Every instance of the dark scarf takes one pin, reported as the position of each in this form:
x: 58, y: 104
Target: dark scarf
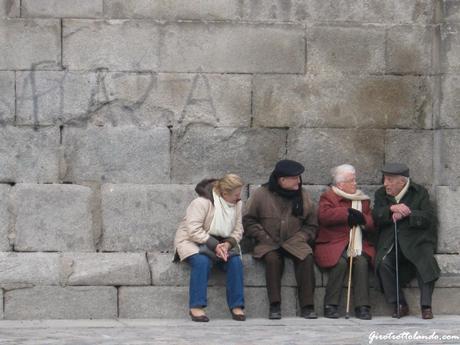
x: 294, y: 195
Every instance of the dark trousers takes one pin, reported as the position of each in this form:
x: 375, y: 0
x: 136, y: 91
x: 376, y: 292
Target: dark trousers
x: 304, y: 274
x: 360, y: 281
x: 387, y: 275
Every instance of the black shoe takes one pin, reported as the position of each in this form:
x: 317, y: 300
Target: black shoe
x: 363, y: 312
x: 201, y: 318
x: 275, y: 312
x: 308, y: 312
x: 331, y: 311
x: 403, y: 311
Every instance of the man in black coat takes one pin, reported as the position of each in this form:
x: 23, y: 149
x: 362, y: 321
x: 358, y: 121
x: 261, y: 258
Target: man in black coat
x: 407, y: 204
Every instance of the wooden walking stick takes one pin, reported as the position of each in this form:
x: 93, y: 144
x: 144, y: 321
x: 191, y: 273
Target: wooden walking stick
x: 351, y: 248
x: 398, y: 311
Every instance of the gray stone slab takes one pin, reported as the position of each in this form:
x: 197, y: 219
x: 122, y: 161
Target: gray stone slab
x: 173, y: 10
x: 334, y: 49
x: 7, y: 98
x: 93, y: 269
x: 140, y: 99
x: 451, y: 11
x: 203, y: 151
x: 117, y: 154
x: 142, y: 217
x: 236, y: 48
x: 448, y: 204
x: 117, y: 45
x: 52, y: 218
x: 29, y: 155
x: 51, y: 302
x: 449, y: 156
x: 396, y: 11
x: 30, y: 44
x: 19, y: 270
x: 450, y: 102
x: 9, y: 8
x: 343, y: 101
x: 322, y: 149
x: 408, y: 49
x: 450, y: 270
x: 450, y: 48
x: 62, y: 8
x: 5, y: 219
x: 1, y: 304
x: 414, y: 148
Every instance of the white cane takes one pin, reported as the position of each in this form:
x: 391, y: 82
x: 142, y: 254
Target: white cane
x: 351, y: 251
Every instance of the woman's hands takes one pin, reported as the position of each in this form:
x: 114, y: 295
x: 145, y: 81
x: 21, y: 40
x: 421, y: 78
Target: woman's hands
x: 222, y: 250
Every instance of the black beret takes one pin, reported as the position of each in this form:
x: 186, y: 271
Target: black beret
x: 288, y: 167
x: 395, y: 169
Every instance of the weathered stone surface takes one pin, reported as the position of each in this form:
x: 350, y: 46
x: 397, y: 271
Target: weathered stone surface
x: 450, y: 103
x: 52, y: 218
x: 450, y: 46
x: 322, y: 149
x: 140, y: 99
x: 116, y: 44
x: 30, y: 44
x: 238, y: 48
x: 449, y: 156
x: 347, y: 101
x: 9, y: 8
x: 172, y: 302
x: 1, y: 304
x: 119, y: 155
x: 205, y: 151
x: 51, y: 302
x: 142, y: 217
x: 4, y: 217
x: 62, y: 8
x: 172, y: 10
x: 7, y: 101
x: 408, y: 49
x: 450, y: 270
x: 29, y: 155
x: 414, y: 148
x: 451, y: 11
x: 396, y: 11
x: 29, y: 269
x: 107, y: 269
x: 333, y: 49
x: 448, y: 204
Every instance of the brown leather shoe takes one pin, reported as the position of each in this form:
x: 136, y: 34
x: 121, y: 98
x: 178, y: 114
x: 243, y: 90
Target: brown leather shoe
x: 238, y: 317
x: 403, y: 311
x: 427, y: 313
x: 198, y: 318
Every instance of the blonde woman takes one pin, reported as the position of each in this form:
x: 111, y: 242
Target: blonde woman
x: 209, y: 235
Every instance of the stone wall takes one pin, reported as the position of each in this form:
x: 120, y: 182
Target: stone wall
x: 111, y: 111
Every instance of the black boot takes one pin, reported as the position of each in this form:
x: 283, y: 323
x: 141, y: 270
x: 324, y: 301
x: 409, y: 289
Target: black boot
x: 331, y: 311
x: 363, y: 312
x: 275, y: 311
x: 308, y: 312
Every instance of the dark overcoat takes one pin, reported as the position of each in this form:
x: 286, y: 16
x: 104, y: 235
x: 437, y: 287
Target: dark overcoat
x: 417, y: 233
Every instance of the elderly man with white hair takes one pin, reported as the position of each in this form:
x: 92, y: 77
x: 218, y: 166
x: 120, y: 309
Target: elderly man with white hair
x: 342, y: 208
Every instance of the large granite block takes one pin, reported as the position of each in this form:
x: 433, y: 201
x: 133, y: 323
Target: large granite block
x: 396, y: 11
x: 30, y: 44
x: 414, y: 148
x: 333, y: 49
x: 233, y: 48
x: 322, y: 149
x: 9, y: 8
x: 142, y: 217
x: 448, y: 204
x: 51, y: 302
x: 7, y: 98
x: 52, y: 218
x: 93, y: 269
x: 343, y: 101
x: 450, y: 48
x: 19, y: 270
x: 450, y: 102
x: 451, y: 11
x: 62, y: 8
x: 172, y: 10
x: 5, y: 219
x: 29, y: 155
x: 119, y: 154
x: 449, y: 156
x: 409, y: 49
x: 450, y: 270
x: 118, y: 45
x: 200, y: 152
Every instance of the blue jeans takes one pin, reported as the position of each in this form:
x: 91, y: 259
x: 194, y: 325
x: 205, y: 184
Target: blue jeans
x: 201, y: 267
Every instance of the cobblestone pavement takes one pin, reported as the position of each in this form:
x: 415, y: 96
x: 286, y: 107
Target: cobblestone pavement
x: 381, y: 330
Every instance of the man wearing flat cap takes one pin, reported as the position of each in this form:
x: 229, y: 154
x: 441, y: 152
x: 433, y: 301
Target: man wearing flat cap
x: 406, y: 204
x: 281, y: 218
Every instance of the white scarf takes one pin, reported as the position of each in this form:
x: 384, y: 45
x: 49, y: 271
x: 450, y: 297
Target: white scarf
x: 356, y: 235
x: 224, y: 219
x: 402, y: 192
